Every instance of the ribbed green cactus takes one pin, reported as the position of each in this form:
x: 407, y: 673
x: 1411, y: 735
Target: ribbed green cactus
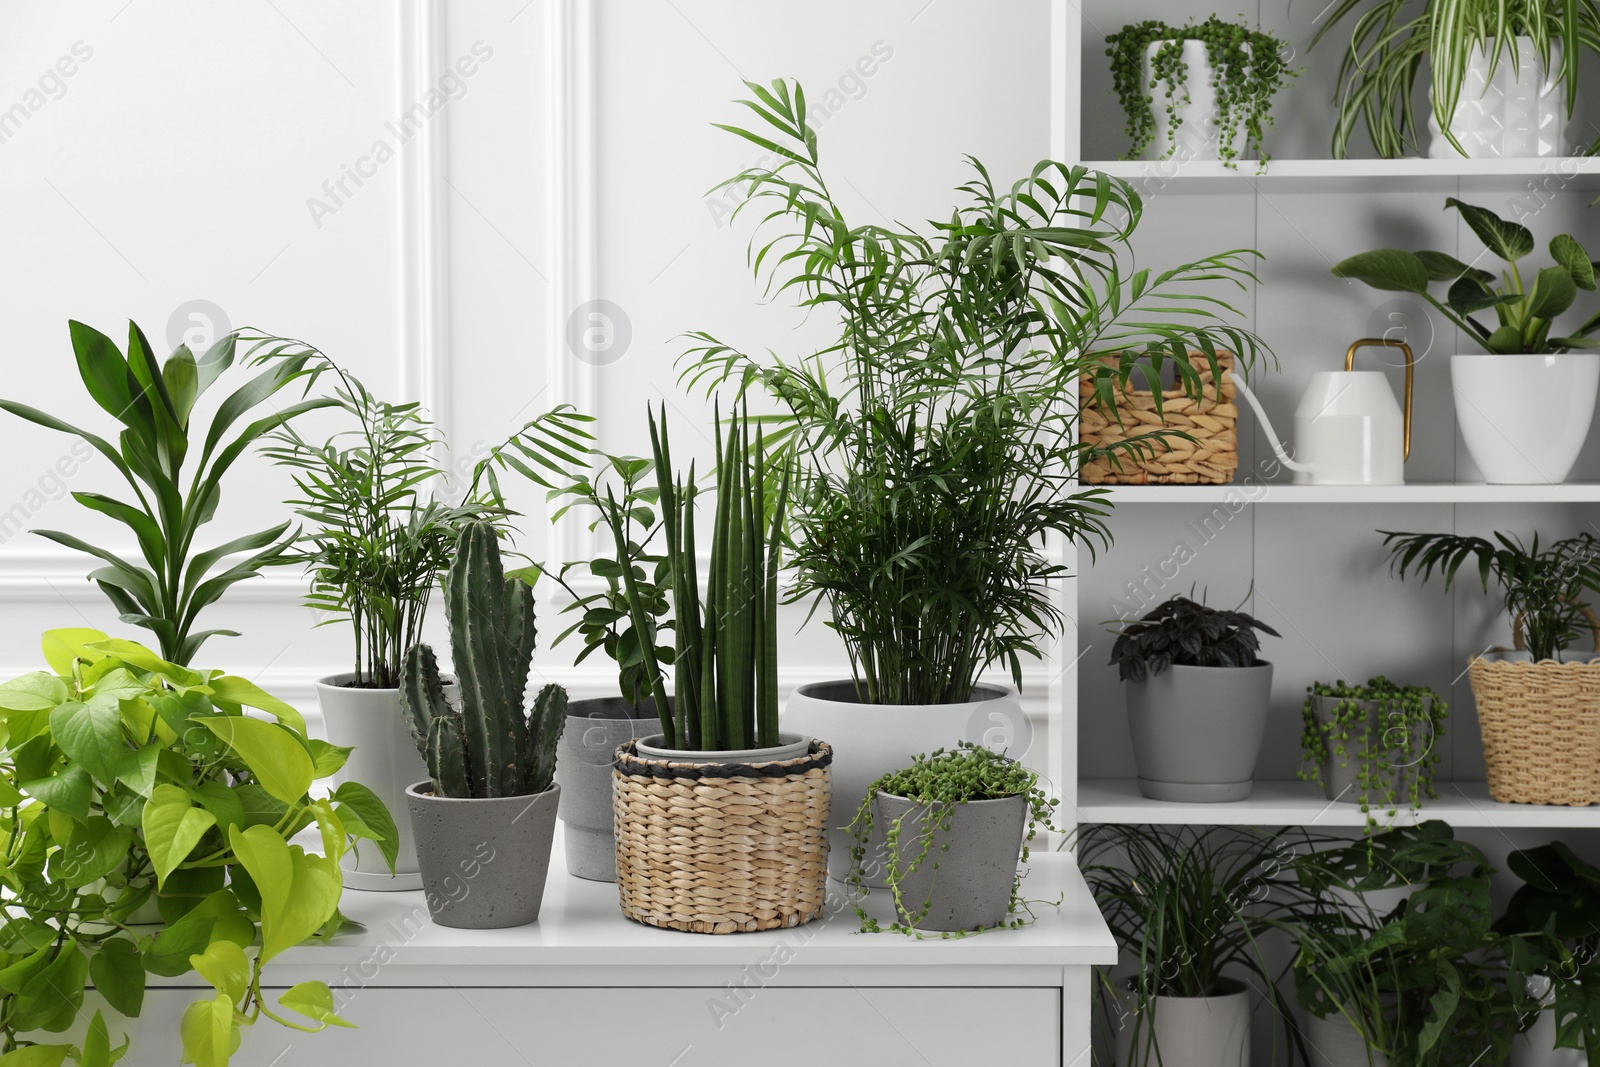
x: 490, y: 747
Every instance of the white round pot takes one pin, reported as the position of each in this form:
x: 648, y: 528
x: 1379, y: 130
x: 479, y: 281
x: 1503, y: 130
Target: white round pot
x: 789, y: 746
x: 1189, y: 1032
x: 583, y: 771
x: 1519, y: 112
x: 871, y: 740
x: 1198, y: 133
x: 1335, y: 1042
x: 386, y: 761
x: 1525, y: 418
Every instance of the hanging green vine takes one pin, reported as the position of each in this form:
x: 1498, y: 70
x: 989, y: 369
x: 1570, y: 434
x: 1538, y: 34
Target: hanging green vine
x: 938, y: 783
x: 1247, y: 71
x: 1394, y: 744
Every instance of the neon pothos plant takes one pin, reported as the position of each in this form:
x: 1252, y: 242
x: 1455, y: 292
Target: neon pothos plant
x: 173, y: 470
x: 1525, y: 308
x: 933, y: 435
x: 127, y: 780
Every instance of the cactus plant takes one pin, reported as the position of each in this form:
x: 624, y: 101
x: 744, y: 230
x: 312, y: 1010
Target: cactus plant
x: 489, y: 747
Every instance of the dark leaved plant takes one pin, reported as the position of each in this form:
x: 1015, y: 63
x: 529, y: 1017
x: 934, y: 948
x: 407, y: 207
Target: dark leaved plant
x: 1184, y: 632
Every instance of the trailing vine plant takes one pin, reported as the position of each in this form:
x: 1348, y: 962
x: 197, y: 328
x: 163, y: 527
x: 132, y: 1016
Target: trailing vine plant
x: 1394, y: 744
x: 938, y: 784
x: 1246, y: 69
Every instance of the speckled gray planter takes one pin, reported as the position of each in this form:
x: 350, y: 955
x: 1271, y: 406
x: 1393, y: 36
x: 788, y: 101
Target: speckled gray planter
x: 1196, y: 731
x: 483, y: 861
x: 583, y: 770
x: 972, y: 883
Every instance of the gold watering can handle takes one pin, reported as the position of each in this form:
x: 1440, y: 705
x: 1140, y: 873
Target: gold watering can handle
x: 1411, y: 362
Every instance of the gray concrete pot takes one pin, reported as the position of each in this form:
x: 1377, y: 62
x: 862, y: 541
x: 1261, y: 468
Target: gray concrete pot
x: 971, y: 884
x: 483, y: 862
x: 583, y: 771
x: 1197, y: 731
x: 1341, y: 776
x: 1188, y: 1031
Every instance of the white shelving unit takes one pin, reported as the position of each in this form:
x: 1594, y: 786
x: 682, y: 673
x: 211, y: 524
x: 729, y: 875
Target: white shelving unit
x: 1370, y: 175
x: 1417, y: 493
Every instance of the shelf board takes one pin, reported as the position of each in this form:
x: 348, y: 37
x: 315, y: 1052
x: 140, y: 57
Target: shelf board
x: 1400, y: 175
x: 1411, y: 493
x: 1117, y: 800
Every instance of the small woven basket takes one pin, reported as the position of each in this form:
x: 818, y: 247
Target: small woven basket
x: 1541, y: 726
x: 1210, y: 459
x: 721, y: 848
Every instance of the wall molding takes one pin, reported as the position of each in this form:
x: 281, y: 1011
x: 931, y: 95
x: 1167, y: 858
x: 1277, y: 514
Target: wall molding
x: 425, y: 219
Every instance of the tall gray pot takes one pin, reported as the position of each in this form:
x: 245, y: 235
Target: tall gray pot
x: 1341, y: 775
x: 483, y: 862
x: 583, y: 770
x: 1197, y: 731
x: 971, y: 882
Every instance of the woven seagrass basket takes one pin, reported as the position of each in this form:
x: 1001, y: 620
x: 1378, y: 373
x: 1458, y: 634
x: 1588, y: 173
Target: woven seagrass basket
x: 721, y: 848
x: 1210, y: 459
x: 1541, y: 726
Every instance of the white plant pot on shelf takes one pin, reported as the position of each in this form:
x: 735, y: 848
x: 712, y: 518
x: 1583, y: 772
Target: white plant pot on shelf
x: 1525, y: 418
x: 1518, y: 113
x: 1198, y: 133
x: 1335, y: 1042
x: 1189, y: 1032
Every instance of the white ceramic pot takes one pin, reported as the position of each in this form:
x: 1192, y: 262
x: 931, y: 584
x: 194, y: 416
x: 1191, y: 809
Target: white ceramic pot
x: 870, y: 740
x: 1520, y: 112
x: 1535, y: 1047
x: 1198, y: 135
x: 386, y: 761
x: 1525, y: 418
x: 1189, y: 1032
x: 789, y: 746
x: 1335, y: 1042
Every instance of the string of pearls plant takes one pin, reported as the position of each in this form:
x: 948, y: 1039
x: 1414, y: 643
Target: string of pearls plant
x: 1395, y: 745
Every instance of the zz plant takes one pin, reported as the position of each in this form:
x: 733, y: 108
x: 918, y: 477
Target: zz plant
x: 1395, y: 745
x: 173, y: 469
x: 125, y: 778
x: 1525, y: 308
x: 490, y: 746
x: 939, y: 784
x: 1185, y: 632
x: 1247, y: 73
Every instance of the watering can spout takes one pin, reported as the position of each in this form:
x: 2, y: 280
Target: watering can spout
x: 1266, y: 426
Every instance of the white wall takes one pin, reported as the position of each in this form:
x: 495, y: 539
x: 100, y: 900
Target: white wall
x: 181, y: 160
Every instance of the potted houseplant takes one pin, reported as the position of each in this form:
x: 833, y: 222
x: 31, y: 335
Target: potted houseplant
x: 1372, y: 744
x: 1429, y: 983
x: 956, y: 823
x: 1198, y: 696
x: 1557, y: 910
x: 717, y: 773
x: 1503, y: 77
x: 1525, y: 403
x: 924, y: 504
x: 1536, y: 712
x: 380, y: 538
x: 1213, y: 84
x: 1188, y: 907
x: 489, y: 804
x: 172, y: 469
x: 126, y: 779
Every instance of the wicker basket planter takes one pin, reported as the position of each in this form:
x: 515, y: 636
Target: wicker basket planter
x: 1210, y: 459
x: 721, y: 848
x: 1541, y: 727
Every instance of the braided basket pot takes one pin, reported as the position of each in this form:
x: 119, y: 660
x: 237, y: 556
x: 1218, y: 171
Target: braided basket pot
x: 1210, y: 459
x: 721, y: 848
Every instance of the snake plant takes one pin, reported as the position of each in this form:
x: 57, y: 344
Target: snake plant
x: 489, y: 747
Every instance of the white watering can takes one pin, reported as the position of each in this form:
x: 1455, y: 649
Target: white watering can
x: 1348, y: 427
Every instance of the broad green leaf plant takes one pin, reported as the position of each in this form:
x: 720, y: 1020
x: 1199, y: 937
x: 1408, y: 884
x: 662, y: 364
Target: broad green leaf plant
x: 1525, y: 307
x: 173, y: 468
x: 129, y: 784
x: 933, y: 436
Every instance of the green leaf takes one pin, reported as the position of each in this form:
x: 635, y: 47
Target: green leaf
x: 16, y: 975
x: 62, y: 647
x: 373, y: 816
x: 276, y: 757
x: 242, y: 691
x: 327, y: 759
x: 169, y: 952
x: 209, y: 1034
x: 138, y: 770
x: 94, y: 849
x: 117, y: 969
x: 221, y: 800
x: 299, y: 893
x: 39, y: 691
x: 1389, y: 269
x: 36, y: 1056
x: 172, y: 827
x: 1470, y: 294
x: 1553, y: 293
x: 1506, y: 341
x: 314, y: 1000
x: 97, y: 1050
x: 225, y: 966
x: 1566, y: 251
x: 1508, y: 240
x: 69, y: 791
x: 1444, y: 268
x: 91, y: 736
x: 51, y: 998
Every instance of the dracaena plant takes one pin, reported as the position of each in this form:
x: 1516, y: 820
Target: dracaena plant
x: 173, y: 468
x: 125, y: 778
x: 933, y: 434
x: 1525, y: 307
x: 1390, y: 39
x: 384, y: 515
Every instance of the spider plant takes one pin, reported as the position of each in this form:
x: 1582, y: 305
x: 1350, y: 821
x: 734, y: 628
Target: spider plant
x: 1390, y: 39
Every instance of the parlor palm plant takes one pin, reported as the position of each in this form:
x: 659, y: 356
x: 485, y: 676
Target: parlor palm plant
x: 933, y: 436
